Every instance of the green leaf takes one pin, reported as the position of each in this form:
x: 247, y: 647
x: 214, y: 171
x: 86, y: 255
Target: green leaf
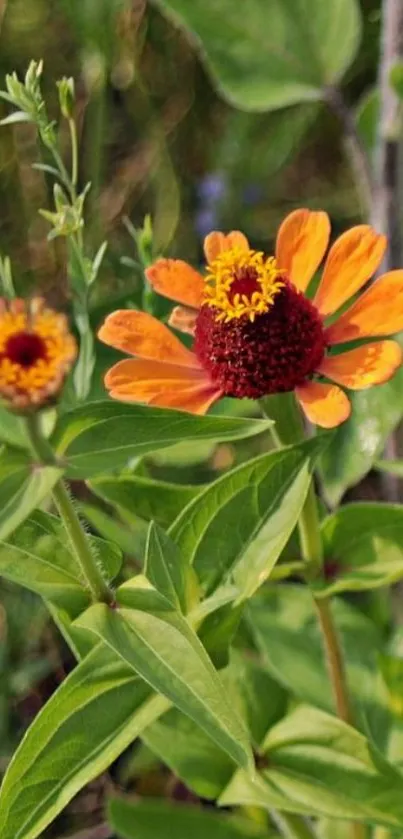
x: 367, y: 118
x: 158, y: 500
x: 218, y: 630
x: 104, y: 436
x: 165, y: 567
x: 325, y: 768
x: 164, y: 650
x: 132, y: 541
x: 274, y: 54
x: 11, y: 429
x: 285, y: 628
x: 396, y: 78
x: 363, y: 546
x: 392, y: 673
x: 356, y: 444
x: 23, y: 486
x: 334, y: 829
x: 242, y: 521
x: 149, y: 819
x: 191, y: 755
x: 38, y: 556
x: 93, y: 716
x: 17, y: 116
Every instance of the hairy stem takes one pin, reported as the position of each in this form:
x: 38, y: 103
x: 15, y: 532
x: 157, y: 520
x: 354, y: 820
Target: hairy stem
x: 94, y: 580
x: 74, y: 153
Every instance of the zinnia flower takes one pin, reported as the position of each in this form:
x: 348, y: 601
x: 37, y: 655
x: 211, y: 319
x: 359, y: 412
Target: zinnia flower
x: 256, y: 332
x: 36, y: 353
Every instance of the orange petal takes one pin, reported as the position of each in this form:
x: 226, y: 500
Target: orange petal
x: 165, y: 385
x: 177, y: 280
x: 301, y: 244
x: 364, y: 366
x: 379, y: 311
x: 216, y: 242
x: 183, y: 319
x: 195, y: 401
x: 352, y: 260
x: 323, y: 404
x: 138, y: 333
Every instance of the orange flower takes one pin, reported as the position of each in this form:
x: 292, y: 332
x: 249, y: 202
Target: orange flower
x: 255, y: 332
x: 36, y: 353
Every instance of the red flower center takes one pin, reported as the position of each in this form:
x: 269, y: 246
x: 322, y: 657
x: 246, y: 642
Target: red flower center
x: 245, y: 282
x: 274, y: 353
x: 25, y: 349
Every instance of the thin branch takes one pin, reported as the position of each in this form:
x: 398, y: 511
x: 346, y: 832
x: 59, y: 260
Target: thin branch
x: 357, y: 151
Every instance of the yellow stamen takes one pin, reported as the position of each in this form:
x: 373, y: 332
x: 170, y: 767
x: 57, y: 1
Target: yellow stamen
x: 232, y: 267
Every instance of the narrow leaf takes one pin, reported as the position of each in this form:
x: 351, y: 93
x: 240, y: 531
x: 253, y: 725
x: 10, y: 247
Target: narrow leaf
x: 104, y: 436
x: 95, y: 714
x: 163, y: 649
x: 165, y: 567
x: 151, y: 819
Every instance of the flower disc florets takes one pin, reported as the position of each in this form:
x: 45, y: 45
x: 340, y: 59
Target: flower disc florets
x: 242, y: 283
x: 274, y: 353
x: 36, y: 353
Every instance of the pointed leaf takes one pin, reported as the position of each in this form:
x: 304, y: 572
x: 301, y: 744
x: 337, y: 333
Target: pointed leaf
x: 94, y: 715
x: 243, y: 520
x: 191, y: 755
x: 151, y: 819
x: 165, y: 567
x: 163, y: 649
x: 104, y: 436
x: 23, y: 486
x: 363, y: 545
x: 323, y: 767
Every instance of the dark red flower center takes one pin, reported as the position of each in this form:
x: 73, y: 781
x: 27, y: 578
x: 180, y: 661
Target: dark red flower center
x: 25, y: 349
x: 245, y: 283
x: 275, y: 353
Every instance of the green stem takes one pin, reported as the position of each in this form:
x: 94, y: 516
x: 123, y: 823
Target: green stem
x: 334, y: 660
x: 292, y: 826
x: 74, y: 153
x: 289, y: 428
x: 98, y: 587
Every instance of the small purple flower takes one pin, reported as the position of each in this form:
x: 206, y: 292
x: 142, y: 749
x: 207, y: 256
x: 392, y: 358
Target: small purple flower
x: 211, y: 188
